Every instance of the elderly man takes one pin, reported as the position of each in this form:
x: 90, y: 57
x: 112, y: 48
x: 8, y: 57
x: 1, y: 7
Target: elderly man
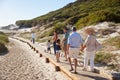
x: 74, y: 43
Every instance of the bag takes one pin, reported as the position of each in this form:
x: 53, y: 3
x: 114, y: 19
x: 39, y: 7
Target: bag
x: 98, y: 46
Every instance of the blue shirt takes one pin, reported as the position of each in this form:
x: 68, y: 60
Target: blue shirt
x: 75, y: 40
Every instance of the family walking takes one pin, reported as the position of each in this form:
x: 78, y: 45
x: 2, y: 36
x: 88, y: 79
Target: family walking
x: 72, y: 43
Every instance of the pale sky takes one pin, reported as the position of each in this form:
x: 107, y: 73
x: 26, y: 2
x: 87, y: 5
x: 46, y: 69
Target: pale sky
x: 12, y: 10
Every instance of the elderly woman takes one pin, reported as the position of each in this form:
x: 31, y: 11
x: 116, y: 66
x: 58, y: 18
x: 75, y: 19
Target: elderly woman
x: 90, y: 49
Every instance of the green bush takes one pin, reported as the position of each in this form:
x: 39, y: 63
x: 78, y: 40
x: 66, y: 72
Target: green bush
x: 103, y: 58
x: 59, y: 27
x: 3, y: 38
x: 3, y: 41
x: 99, y: 16
x: 113, y: 42
x: 3, y: 48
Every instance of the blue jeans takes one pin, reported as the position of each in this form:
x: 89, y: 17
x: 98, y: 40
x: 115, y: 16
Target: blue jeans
x: 54, y: 46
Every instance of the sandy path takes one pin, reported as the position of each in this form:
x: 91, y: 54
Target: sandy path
x: 21, y: 63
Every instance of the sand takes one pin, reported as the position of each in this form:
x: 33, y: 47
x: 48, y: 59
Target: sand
x: 22, y: 63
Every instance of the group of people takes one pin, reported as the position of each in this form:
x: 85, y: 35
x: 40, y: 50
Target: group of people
x: 72, y: 45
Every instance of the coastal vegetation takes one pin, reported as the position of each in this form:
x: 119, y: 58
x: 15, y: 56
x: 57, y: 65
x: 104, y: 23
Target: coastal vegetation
x: 3, y: 41
x: 79, y: 13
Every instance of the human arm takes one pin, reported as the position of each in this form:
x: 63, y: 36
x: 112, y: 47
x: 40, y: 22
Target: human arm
x: 68, y: 43
x: 83, y: 47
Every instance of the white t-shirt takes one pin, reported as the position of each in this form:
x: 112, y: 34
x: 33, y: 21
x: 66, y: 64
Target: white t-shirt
x: 48, y: 44
x: 33, y: 35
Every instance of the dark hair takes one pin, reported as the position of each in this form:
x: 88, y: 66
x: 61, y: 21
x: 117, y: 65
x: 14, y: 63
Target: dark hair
x: 65, y: 28
x: 58, y: 41
x: 48, y: 40
x: 74, y: 29
x: 55, y: 31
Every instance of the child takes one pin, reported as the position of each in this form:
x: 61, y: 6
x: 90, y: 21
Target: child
x: 58, y: 50
x: 48, y: 47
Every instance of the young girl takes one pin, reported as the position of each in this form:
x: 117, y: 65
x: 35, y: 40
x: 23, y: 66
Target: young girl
x: 58, y: 50
x: 48, y: 47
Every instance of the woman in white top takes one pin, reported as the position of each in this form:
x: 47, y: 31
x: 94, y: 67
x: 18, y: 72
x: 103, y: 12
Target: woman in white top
x: 90, y: 49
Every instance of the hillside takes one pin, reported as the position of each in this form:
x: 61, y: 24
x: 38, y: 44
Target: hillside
x: 80, y: 13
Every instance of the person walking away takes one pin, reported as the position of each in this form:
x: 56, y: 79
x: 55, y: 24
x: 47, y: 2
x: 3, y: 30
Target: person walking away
x: 48, y: 47
x: 90, y: 49
x: 33, y: 37
x: 55, y: 37
x: 65, y: 40
x: 58, y: 50
x: 75, y: 42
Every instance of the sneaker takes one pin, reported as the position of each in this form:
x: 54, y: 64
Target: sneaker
x: 75, y: 72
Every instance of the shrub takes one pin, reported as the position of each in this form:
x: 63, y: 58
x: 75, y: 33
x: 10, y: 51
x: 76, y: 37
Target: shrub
x: 99, y: 16
x: 3, y: 40
x: 113, y: 42
x: 103, y: 58
x: 3, y: 48
x: 59, y: 27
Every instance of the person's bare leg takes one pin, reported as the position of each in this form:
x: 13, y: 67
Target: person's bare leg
x: 65, y: 50
x: 75, y: 61
x: 57, y: 57
x: 70, y: 64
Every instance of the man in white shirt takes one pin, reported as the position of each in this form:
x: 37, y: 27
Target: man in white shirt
x: 33, y: 37
x: 75, y: 42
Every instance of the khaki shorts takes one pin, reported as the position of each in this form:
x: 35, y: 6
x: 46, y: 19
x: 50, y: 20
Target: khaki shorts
x: 58, y: 51
x: 73, y: 53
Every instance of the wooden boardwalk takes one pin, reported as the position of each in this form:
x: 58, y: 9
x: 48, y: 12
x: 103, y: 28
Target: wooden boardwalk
x: 64, y: 65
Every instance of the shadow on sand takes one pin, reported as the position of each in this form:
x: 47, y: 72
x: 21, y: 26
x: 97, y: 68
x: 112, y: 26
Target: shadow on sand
x: 93, y: 77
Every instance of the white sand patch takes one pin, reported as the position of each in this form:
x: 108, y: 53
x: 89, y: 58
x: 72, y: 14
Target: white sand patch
x: 114, y: 34
x: 116, y: 52
x: 22, y: 63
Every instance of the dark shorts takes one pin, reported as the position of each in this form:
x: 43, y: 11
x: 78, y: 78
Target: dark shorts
x: 48, y: 48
